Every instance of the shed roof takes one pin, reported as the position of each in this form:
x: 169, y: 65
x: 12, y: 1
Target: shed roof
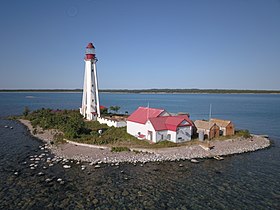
x: 220, y: 122
x: 201, y: 124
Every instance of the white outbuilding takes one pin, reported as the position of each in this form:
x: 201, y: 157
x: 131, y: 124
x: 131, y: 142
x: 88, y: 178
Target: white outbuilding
x: 157, y: 125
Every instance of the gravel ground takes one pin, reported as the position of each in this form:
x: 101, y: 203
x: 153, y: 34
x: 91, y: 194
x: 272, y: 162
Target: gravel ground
x: 97, y: 155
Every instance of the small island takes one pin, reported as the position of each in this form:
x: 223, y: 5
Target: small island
x: 68, y: 135
x: 148, y: 134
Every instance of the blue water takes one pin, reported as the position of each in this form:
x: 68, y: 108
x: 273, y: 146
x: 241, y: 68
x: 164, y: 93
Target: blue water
x: 258, y: 113
x: 247, y: 181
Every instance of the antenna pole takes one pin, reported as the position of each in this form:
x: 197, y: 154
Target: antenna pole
x: 210, y: 112
x: 148, y: 110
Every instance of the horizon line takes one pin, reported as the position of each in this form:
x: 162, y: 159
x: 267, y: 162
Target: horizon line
x: 144, y: 90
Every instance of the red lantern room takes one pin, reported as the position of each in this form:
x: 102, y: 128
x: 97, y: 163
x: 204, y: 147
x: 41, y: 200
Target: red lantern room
x: 90, y: 52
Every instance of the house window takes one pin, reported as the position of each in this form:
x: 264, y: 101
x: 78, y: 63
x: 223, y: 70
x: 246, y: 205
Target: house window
x: 168, y: 136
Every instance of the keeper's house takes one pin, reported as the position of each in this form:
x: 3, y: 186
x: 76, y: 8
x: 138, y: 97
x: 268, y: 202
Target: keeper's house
x: 157, y: 125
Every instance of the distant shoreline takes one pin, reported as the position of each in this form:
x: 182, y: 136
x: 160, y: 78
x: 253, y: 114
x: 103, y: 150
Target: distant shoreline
x: 147, y: 91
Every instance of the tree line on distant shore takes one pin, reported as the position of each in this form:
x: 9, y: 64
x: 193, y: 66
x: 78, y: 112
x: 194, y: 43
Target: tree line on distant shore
x: 182, y: 91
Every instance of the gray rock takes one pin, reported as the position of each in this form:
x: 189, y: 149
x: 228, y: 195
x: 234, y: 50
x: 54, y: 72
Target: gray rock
x: 97, y: 166
x: 125, y: 193
x: 40, y: 173
x: 194, y: 161
x: 48, y: 180
x: 95, y: 201
x: 66, y: 166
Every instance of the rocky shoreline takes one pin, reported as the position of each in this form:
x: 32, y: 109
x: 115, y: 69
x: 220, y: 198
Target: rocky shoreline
x: 96, y: 154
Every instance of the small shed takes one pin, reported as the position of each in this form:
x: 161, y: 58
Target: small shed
x: 226, y: 126
x: 210, y: 129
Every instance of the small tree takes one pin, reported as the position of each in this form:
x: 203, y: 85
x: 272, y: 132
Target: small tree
x: 104, y: 111
x: 115, y: 108
x: 26, y: 111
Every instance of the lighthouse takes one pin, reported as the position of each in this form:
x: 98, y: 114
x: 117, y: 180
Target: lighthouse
x: 90, y: 102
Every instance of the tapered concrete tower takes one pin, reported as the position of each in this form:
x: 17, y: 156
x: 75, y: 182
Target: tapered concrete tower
x: 90, y: 103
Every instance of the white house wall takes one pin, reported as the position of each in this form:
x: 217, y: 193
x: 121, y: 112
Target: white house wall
x: 185, y: 133
x: 149, y: 127
x: 159, y: 135
x: 134, y: 128
x: 172, y: 135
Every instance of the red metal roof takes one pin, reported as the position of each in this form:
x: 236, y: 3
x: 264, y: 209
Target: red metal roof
x: 102, y: 107
x: 142, y: 114
x: 158, y: 123
x: 170, y: 122
x: 185, y: 117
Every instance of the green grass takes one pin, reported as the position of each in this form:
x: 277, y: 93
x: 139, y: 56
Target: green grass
x: 163, y: 144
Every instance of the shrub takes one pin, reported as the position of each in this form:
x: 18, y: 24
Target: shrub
x: 68, y: 121
x: 115, y: 108
x: 26, y: 111
x: 243, y: 133
x: 120, y: 149
x: 136, y: 151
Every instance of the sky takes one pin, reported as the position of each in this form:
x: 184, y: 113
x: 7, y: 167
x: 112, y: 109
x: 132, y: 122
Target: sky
x: 141, y: 44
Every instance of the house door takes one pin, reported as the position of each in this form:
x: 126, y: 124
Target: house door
x: 150, y: 135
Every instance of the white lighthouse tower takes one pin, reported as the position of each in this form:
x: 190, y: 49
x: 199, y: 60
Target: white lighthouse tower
x: 90, y: 103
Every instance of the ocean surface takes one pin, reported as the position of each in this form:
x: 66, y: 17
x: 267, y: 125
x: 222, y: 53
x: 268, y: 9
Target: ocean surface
x: 246, y: 181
